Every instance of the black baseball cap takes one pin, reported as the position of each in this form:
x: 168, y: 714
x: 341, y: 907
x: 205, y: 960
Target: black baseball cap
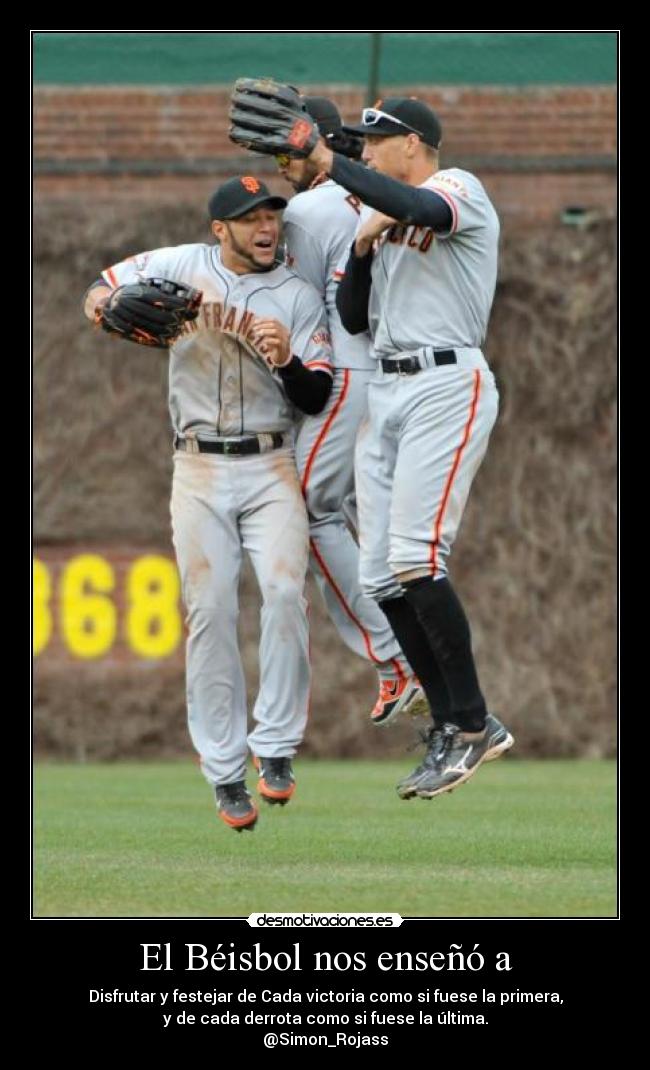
x: 240, y: 195
x: 325, y: 113
x: 400, y: 115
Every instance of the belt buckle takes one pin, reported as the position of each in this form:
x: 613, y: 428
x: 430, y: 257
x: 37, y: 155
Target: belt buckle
x: 228, y: 447
x: 408, y: 371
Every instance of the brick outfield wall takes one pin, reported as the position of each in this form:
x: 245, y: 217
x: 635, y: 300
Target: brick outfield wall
x: 520, y: 199
x: 538, y: 149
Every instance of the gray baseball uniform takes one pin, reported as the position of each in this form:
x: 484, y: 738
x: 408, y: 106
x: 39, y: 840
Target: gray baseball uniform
x: 222, y: 388
x: 319, y: 226
x: 424, y: 291
x: 427, y: 433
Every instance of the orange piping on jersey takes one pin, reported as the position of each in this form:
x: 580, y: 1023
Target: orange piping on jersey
x: 111, y: 278
x: 322, y: 365
x: 433, y: 557
x: 454, y: 210
x: 325, y: 430
x: 339, y: 594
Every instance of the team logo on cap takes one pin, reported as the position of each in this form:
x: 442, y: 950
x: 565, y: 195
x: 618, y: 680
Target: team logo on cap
x: 299, y: 134
x: 251, y: 184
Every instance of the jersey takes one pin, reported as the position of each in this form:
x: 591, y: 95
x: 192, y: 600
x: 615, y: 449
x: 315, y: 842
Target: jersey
x: 220, y: 385
x: 319, y: 228
x: 433, y: 289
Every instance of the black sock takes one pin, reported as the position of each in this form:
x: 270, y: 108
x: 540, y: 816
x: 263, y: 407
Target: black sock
x: 443, y: 619
x: 414, y: 643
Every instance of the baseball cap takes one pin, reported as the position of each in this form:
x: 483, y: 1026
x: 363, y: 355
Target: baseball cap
x: 240, y: 195
x: 325, y: 113
x: 400, y: 115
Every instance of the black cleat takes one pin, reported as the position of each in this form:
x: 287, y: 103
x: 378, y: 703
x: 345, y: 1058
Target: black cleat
x: 407, y: 786
x: 457, y: 755
x: 499, y: 738
x: 235, y: 806
x: 453, y: 756
x: 276, y: 782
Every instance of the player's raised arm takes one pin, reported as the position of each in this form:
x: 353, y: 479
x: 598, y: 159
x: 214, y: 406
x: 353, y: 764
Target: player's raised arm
x: 269, y: 117
x: 400, y: 152
x: 402, y: 202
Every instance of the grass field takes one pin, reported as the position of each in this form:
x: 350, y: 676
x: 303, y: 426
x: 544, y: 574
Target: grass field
x: 520, y: 839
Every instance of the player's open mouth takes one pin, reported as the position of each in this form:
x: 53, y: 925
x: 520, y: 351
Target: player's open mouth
x: 264, y: 243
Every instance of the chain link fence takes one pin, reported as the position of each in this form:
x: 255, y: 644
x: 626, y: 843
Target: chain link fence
x: 405, y: 58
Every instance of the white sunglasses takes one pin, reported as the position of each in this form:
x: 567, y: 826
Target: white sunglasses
x: 370, y: 116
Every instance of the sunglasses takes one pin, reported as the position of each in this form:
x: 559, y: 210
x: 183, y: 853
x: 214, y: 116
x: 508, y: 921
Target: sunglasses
x: 370, y: 116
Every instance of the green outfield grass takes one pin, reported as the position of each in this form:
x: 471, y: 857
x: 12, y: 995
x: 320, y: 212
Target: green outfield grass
x: 522, y: 838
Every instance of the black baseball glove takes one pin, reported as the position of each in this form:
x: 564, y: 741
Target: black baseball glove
x: 151, y: 313
x: 269, y: 117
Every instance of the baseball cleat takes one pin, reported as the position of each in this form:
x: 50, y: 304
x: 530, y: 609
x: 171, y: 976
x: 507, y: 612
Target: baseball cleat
x: 276, y: 782
x: 418, y: 704
x: 398, y: 696
x: 500, y: 739
x: 407, y: 786
x: 235, y: 806
x: 453, y: 756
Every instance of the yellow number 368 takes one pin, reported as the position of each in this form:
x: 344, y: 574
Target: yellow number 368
x: 87, y: 613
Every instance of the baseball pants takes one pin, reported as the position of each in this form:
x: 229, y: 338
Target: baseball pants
x: 220, y: 507
x: 416, y: 458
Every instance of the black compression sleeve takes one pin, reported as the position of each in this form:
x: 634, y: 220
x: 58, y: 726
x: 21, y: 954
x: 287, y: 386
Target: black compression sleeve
x: 353, y: 293
x: 407, y: 204
x: 308, y: 390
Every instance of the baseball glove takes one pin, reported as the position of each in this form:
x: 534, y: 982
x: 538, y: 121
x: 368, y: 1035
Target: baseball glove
x: 151, y: 313
x: 269, y: 117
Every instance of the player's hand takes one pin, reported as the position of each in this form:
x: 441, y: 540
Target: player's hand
x: 372, y: 229
x: 272, y: 339
x: 322, y: 157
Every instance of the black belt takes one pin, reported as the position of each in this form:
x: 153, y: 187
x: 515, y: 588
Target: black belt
x: 411, y: 365
x: 232, y: 448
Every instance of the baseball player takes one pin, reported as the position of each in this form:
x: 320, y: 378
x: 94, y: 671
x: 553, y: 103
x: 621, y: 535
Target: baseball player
x: 421, y: 276
x: 239, y: 375
x: 319, y: 225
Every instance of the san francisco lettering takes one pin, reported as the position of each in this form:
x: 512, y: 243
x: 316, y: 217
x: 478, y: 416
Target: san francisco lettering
x: 415, y: 237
